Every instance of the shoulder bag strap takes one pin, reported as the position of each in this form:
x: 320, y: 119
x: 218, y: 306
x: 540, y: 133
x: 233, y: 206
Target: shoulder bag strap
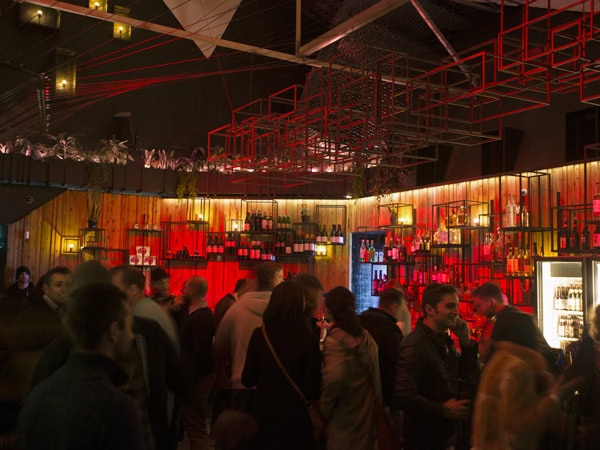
x: 278, y: 361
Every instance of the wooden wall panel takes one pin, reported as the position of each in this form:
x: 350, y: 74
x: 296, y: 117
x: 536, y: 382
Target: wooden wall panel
x: 65, y: 215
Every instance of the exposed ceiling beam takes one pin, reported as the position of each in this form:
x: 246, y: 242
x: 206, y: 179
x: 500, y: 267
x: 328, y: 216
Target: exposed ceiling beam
x: 178, y: 32
x: 438, y: 33
x: 363, y: 18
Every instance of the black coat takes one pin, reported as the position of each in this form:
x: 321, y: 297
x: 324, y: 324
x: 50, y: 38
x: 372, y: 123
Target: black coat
x: 427, y: 376
x: 79, y: 407
x: 282, y: 414
x: 385, y: 332
x: 197, y: 333
x: 162, y: 371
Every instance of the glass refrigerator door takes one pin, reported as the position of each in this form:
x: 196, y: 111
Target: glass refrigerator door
x: 594, y: 286
x: 560, y: 301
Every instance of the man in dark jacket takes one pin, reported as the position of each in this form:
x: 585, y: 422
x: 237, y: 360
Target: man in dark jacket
x: 80, y: 406
x: 428, y: 370
x: 197, y: 333
x: 381, y: 323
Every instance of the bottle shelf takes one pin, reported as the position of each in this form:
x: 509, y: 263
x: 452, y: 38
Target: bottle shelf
x: 527, y: 229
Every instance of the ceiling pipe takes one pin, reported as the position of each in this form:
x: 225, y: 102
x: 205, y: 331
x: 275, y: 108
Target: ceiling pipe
x: 363, y: 18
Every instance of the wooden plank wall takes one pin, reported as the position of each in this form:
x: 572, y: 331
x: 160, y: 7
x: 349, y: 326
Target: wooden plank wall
x: 63, y: 216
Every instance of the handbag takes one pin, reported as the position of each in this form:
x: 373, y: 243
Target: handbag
x: 316, y: 419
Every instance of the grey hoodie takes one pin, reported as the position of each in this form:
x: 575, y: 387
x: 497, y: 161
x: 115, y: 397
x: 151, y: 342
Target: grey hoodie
x: 233, y: 336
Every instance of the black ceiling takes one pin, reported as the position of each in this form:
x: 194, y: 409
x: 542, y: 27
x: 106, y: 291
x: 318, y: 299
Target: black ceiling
x: 174, y: 94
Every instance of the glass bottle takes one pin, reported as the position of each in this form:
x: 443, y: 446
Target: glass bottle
x: 585, y: 238
x: 247, y: 222
x: 524, y: 216
x: 340, y: 235
x: 597, y: 236
x: 596, y: 203
x: 574, y: 241
x: 563, y: 237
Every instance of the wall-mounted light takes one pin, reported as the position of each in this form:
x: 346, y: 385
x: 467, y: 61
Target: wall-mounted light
x: 321, y: 250
x: 70, y: 245
x: 66, y: 72
x: 99, y: 5
x: 236, y: 225
x: 476, y: 221
x: 39, y: 15
x: 120, y: 30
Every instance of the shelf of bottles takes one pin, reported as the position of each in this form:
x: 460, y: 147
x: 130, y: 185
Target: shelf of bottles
x: 185, y: 243
x: 331, y: 220
x: 144, y: 244
x: 578, y: 228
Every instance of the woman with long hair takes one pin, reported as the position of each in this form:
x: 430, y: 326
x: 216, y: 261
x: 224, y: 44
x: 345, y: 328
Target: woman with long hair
x: 351, y: 382
x: 283, y: 415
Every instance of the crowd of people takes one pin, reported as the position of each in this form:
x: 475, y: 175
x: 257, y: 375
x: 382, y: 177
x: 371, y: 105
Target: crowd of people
x: 89, y: 360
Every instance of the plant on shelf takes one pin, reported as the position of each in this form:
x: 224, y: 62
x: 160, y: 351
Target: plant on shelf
x: 112, y: 151
x: 62, y: 147
x: 93, y: 205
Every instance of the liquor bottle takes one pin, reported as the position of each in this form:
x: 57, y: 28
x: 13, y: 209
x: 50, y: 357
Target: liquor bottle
x: 596, y: 203
x: 395, y: 250
x: 270, y: 223
x: 524, y: 216
x: 324, y: 236
x: 340, y: 235
x: 521, y: 262
x: 527, y: 263
x: 262, y: 221
x: 288, y: 248
x: 402, y: 251
x: 509, y: 263
x: 574, y: 241
x: 596, y: 240
x: 510, y: 214
x: 247, y: 222
x: 362, y: 253
x: 371, y: 252
x: 386, y: 249
x: 585, y: 238
x: 333, y: 235
x: 253, y: 221
x: 220, y: 247
x: 563, y: 237
x: 453, y: 218
x: 374, y: 283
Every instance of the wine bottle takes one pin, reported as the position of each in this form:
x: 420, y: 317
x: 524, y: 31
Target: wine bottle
x: 585, y: 238
x: 596, y: 203
x: 574, y: 241
x: 247, y: 222
x: 340, y: 235
x: 563, y: 237
x: 597, y: 236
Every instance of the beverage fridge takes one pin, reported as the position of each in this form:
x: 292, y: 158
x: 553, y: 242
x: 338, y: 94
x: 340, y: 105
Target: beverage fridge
x: 566, y: 288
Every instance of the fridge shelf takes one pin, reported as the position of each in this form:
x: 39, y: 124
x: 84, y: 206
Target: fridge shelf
x: 573, y: 311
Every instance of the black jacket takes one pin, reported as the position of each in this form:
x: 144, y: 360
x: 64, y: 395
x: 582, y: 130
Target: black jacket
x: 197, y: 333
x: 80, y: 407
x: 162, y: 370
x: 388, y: 336
x: 427, y: 375
x: 282, y: 414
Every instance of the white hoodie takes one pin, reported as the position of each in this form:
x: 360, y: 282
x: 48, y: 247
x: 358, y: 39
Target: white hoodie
x: 233, y: 335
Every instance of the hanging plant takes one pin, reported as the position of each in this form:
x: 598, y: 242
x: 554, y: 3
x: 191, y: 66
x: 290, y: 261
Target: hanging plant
x: 187, y: 182
x: 357, y: 188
